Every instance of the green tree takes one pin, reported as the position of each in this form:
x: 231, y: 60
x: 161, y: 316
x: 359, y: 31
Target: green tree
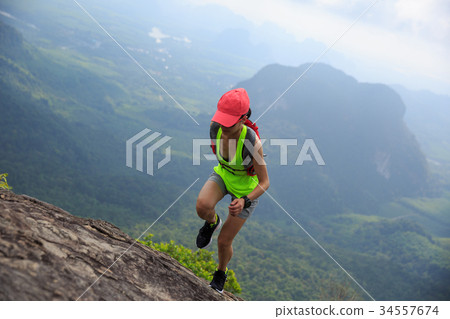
x: 200, y: 262
x: 332, y: 289
x: 3, y: 181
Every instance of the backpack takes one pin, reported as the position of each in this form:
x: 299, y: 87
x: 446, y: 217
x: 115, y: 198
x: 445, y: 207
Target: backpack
x: 253, y: 126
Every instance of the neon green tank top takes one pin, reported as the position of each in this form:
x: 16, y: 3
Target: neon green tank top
x: 233, y: 173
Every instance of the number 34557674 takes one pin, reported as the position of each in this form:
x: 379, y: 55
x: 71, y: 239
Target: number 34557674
x: 409, y: 310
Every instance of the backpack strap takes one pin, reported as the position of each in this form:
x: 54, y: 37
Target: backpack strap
x: 213, y: 130
x: 247, y: 154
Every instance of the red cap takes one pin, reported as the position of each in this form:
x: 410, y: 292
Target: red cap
x: 231, y: 106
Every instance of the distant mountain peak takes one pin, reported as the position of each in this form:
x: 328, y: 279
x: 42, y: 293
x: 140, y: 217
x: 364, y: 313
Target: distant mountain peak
x: 358, y: 127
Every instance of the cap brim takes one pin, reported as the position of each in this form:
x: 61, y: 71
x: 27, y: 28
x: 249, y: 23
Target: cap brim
x: 225, y: 119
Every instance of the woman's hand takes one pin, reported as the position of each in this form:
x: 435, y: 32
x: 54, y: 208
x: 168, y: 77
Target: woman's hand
x: 236, y: 206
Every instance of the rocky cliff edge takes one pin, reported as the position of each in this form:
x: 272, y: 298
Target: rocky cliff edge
x: 48, y: 254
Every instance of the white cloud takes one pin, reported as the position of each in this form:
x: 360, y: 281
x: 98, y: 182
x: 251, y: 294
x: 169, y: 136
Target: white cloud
x: 408, y: 35
x: 157, y: 34
x: 8, y: 15
x: 426, y: 18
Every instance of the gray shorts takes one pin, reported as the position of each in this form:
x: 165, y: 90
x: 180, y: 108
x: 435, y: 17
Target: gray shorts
x: 246, y: 212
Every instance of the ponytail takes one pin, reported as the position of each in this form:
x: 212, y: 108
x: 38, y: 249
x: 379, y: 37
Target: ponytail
x: 249, y: 113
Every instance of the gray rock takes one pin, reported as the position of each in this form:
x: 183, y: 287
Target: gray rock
x: 48, y: 254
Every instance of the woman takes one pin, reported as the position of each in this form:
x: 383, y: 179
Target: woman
x: 241, y: 173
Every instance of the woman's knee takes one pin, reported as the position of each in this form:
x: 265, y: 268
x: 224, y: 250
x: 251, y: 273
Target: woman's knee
x: 203, y: 207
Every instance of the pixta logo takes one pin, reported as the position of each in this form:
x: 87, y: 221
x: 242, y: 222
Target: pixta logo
x: 143, y: 141
x: 308, y: 148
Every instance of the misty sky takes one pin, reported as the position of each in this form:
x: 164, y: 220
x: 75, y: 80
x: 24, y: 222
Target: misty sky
x: 396, y: 41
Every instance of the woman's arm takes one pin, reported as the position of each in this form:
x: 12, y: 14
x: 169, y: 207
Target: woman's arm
x: 260, y: 167
x: 259, y: 164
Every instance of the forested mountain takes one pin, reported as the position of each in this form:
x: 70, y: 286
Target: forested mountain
x: 370, y: 154
x: 66, y: 113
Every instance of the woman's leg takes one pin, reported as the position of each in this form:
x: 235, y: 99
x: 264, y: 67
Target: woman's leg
x: 207, y: 199
x: 229, y: 231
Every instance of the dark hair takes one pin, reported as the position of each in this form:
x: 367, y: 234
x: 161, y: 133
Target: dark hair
x: 246, y: 114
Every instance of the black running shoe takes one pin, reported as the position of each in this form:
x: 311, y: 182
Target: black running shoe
x: 204, y: 237
x: 219, y: 279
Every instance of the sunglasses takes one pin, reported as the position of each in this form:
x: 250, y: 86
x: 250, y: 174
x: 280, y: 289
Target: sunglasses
x: 242, y: 116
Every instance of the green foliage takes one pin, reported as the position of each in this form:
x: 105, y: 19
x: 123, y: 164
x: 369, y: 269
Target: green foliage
x: 3, y: 181
x: 200, y: 262
x: 332, y: 289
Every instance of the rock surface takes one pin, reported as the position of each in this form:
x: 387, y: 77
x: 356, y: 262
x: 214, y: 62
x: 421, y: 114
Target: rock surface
x: 48, y: 254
